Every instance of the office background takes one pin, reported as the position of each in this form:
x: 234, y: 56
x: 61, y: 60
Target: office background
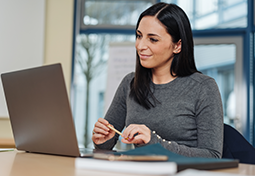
x: 60, y: 31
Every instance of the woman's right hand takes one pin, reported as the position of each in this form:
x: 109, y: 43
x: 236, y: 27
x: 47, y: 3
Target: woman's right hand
x: 101, y: 133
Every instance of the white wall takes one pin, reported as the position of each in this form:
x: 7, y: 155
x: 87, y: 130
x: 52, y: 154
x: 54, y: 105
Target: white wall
x: 33, y: 33
x: 21, y: 37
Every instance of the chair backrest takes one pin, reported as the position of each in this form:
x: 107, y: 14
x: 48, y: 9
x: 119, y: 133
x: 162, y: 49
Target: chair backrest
x: 235, y: 146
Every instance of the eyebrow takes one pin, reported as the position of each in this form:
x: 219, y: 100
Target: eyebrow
x: 150, y: 34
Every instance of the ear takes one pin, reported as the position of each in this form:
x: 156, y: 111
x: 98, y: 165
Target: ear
x: 178, y: 47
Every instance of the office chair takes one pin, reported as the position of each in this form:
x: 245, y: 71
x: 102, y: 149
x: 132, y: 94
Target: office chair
x: 235, y: 146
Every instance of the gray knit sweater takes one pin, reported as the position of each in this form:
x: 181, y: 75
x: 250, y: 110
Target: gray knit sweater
x: 187, y: 121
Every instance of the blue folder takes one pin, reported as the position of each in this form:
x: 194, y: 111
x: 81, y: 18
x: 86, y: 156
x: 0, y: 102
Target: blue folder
x: 182, y: 161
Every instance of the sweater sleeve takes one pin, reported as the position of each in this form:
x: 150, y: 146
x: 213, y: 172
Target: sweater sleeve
x: 116, y: 114
x: 209, y: 120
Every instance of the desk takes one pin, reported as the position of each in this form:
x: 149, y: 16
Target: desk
x: 19, y: 163
x: 242, y: 169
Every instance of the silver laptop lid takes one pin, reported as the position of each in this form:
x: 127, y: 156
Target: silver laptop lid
x: 39, y: 110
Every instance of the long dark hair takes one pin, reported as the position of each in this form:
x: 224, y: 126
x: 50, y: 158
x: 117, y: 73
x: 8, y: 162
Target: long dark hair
x: 177, y: 25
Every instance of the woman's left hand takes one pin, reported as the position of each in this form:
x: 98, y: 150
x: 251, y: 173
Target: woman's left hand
x: 136, y: 134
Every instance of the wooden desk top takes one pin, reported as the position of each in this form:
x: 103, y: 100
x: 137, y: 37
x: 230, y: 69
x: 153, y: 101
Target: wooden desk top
x: 242, y: 169
x: 18, y: 163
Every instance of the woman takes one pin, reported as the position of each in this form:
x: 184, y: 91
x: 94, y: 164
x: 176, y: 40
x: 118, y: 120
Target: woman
x: 166, y: 100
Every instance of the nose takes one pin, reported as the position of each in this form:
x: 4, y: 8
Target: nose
x: 141, y: 44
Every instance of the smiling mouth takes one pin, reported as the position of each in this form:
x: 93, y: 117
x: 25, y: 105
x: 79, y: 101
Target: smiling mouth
x: 144, y: 56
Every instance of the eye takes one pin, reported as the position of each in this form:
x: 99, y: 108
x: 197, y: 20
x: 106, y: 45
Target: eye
x: 138, y: 36
x: 153, y: 40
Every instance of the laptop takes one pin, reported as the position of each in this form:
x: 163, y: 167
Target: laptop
x: 40, y: 112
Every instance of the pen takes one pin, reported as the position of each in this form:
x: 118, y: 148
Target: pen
x: 116, y: 131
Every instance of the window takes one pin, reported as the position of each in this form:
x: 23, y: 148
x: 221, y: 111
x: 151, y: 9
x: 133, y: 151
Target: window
x: 112, y: 13
x: 214, y: 13
x: 89, y: 83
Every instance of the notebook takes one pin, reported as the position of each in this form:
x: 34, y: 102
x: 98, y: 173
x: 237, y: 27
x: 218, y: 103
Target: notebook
x: 40, y: 112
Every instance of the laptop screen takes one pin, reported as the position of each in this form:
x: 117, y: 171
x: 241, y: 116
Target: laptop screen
x: 39, y: 110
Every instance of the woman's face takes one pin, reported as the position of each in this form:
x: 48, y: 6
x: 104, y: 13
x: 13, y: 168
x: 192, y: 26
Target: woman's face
x: 154, y: 45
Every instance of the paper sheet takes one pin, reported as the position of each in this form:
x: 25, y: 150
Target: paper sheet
x: 148, y: 168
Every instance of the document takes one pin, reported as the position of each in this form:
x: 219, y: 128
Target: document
x: 134, y: 167
x: 112, y: 157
